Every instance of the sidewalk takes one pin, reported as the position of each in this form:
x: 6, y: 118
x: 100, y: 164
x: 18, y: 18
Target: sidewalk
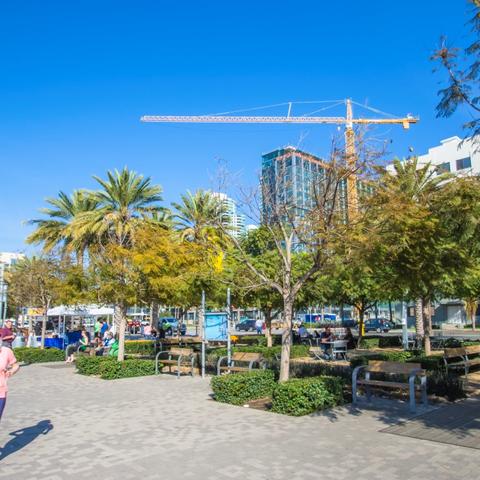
x: 153, y: 427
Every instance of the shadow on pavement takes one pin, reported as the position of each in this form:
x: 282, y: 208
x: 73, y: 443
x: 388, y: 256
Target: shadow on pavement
x: 24, y: 436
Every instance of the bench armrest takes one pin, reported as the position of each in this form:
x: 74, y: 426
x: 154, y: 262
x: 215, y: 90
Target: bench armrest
x: 356, y: 371
x: 219, y: 363
x: 160, y: 353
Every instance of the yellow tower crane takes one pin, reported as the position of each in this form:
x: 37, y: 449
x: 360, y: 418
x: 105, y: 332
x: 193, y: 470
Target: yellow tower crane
x: 349, y: 121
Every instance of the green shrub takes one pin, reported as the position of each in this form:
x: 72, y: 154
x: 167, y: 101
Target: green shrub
x: 430, y: 363
x: 239, y: 388
x: 442, y: 385
x: 369, y: 343
x: 301, y: 396
x: 37, y: 355
x: 452, y: 343
x: 269, y: 354
x: 129, y: 368
x: 390, y: 342
x: 87, y: 365
x: 400, y: 356
x: 142, y: 347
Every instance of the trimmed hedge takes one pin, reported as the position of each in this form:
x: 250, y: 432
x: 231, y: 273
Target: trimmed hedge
x: 430, y: 363
x: 390, y: 342
x: 268, y: 354
x: 37, y: 355
x: 87, y: 365
x: 301, y: 396
x: 400, y: 356
x: 142, y: 347
x: 240, y: 388
x: 369, y: 343
x: 442, y: 385
x: 108, y: 368
x: 126, y: 369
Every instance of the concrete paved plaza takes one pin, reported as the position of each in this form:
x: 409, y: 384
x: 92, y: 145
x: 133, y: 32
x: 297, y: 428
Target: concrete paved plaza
x: 70, y: 426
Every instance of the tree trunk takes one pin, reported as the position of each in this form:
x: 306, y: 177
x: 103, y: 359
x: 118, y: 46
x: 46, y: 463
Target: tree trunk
x: 268, y: 327
x: 154, y: 315
x: 471, y: 305
x: 120, y: 319
x: 361, y: 326
x: 286, y: 339
x: 427, y: 324
x: 419, y: 331
x: 390, y: 312
x: 44, y: 329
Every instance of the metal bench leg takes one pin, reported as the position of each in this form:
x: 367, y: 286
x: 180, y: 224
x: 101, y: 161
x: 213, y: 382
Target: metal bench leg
x: 191, y: 370
x: 354, y: 393
x: 423, y: 384
x: 368, y: 389
x: 178, y: 366
x: 411, y: 382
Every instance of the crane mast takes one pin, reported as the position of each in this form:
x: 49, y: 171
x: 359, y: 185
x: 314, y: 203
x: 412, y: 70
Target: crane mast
x: 349, y: 121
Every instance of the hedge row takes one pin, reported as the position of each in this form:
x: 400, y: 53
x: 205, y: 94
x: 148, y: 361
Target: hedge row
x: 299, y: 396
x: 108, y: 368
x: 269, y: 354
x: 240, y: 388
x: 37, y: 355
x: 142, y: 347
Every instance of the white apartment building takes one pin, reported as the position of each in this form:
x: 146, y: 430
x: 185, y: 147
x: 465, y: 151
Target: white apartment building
x: 10, y: 258
x: 236, y: 220
x: 453, y: 155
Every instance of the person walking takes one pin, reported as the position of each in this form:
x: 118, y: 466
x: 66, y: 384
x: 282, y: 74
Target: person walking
x: 259, y: 326
x: 8, y: 367
x: 7, y: 334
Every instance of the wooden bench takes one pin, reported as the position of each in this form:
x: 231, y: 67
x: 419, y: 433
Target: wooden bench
x: 243, y: 358
x: 175, y: 356
x: 414, y: 371
x: 461, y: 357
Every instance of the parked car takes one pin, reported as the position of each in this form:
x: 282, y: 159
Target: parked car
x: 246, y: 325
x: 377, y: 325
x: 173, y: 322
x: 349, y: 323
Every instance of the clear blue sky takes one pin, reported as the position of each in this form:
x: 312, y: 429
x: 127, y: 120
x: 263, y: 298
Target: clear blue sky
x: 76, y: 76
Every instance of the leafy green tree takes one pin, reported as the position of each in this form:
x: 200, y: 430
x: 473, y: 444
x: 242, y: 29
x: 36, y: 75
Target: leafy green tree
x: 35, y: 282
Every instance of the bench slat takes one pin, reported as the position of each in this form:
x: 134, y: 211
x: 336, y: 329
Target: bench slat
x: 454, y: 352
x: 472, y: 350
x: 180, y: 351
x: 246, y: 357
x: 381, y: 383
x: 379, y: 366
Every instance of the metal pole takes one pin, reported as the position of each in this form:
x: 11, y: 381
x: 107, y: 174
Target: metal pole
x: 229, y: 341
x: 404, y: 327
x: 203, y: 333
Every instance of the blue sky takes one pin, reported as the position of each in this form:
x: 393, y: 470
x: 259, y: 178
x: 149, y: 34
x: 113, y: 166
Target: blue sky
x: 76, y: 76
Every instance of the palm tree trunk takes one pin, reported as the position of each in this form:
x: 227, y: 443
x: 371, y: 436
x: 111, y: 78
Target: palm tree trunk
x: 427, y: 323
x: 419, y: 331
x: 120, y: 319
x: 44, y: 329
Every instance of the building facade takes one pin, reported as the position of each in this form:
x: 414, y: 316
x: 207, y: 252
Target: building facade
x: 289, y: 176
x: 235, y: 219
x: 454, y: 155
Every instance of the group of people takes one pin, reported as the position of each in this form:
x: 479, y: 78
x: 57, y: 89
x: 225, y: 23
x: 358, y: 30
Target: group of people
x: 8, y: 363
x: 103, y: 339
x: 326, y: 337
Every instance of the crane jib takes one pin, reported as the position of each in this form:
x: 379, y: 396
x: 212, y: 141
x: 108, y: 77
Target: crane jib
x: 271, y: 119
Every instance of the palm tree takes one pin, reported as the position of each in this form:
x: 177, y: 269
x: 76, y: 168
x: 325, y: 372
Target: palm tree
x: 124, y: 202
x: 53, y: 232
x: 199, y: 216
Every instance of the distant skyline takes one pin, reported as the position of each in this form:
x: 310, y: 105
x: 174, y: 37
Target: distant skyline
x: 75, y: 79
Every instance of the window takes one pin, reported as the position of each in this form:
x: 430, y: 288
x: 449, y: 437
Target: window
x: 463, y: 163
x: 444, y: 167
